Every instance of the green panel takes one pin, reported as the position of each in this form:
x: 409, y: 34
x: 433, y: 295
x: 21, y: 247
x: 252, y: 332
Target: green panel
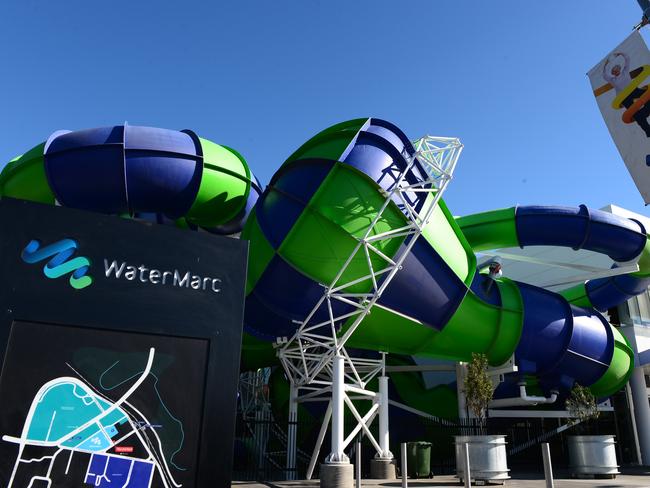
x: 439, y: 401
x: 577, y: 295
x: 479, y: 327
x: 330, y: 143
x: 510, y: 323
x: 256, y: 354
x: 619, y: 370
x: 260, y: 251
x: 324, y: 236
x: 225, y: 184
x: 385, y: 330
x: 490, y: 230
x: 24, y: 177
x: 447, y: 239
x: 475, y: 327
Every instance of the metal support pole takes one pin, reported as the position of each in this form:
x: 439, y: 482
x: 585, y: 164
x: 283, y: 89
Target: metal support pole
x: 337, y: 455
x: 467, y: 474
x: 404, y: 466
x: 641, y: 412
x: 460, y: 390
x: 548, y: 468
x: 384, y: 438
x: 630, y: 404
x: 357, y: 464
x: 292, y: 430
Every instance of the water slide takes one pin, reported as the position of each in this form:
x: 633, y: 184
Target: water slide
x: 306, y: 223
x: 165, y: 175
x: 325, y: 195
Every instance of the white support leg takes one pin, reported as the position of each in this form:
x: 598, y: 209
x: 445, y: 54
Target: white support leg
x: 384, y: 438
x: 338, y: 411
x: 292, y: 431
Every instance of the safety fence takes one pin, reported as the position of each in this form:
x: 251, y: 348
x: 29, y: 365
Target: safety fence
x: 261, y: 442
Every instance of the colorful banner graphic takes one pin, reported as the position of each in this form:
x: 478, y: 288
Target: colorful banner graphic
x: 620, y: 84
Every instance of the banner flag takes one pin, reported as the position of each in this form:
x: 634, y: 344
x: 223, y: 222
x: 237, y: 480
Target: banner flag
x: 620, y: 85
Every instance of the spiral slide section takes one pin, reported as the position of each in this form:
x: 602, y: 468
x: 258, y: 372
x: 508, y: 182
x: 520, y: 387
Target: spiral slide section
x: 325, y: 195
x: 164, y: 175
x: 562, y: 330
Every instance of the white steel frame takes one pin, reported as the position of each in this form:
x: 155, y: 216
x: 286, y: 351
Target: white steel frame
x: 314, y: 358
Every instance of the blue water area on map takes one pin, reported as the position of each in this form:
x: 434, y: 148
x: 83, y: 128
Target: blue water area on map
x: 112, y: 471
x: 60, y: 410
x: 64, y: 407
x: 92, y: 438
x: 96, y: 442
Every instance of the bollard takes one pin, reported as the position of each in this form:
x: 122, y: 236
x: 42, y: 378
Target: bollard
x: 404, y: 467
x: 548, y: 468
x: 468, y: 475
x: 357, y: 467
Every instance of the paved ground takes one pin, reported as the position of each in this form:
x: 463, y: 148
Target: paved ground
x: 636, y: 479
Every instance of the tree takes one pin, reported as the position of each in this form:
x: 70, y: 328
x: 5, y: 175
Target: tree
x: 581, y: 404
x: 478, y: 385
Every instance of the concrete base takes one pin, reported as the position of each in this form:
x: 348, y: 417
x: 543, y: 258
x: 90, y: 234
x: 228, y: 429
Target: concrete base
x: 382, y: 469
x: 337, y: 475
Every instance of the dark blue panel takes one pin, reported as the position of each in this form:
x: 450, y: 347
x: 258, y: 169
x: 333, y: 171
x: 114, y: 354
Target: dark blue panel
x: 302, y: 178
x: 486, y: 289
x: 405, y: 142
x: 161, y: 183
x: 588, y: 354
x: 160, y: 140
x: 552, y: 226
x: 605, y: 293
x: 387, y: 134
x: 67, y: 140
x: 85, y: 171
x: 580, y: 228
x: 546, y: 332
x: 509, y: 387
x: 426, y: 289
x: 281, y: 295
x: 379, y: 159
x: 561, y: 343
x: 276, y: 214
x: 620, y: 238
x: 287, y: 195
x: 163, y: 170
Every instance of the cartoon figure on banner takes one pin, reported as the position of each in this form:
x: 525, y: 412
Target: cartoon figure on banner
x: 629, y: 93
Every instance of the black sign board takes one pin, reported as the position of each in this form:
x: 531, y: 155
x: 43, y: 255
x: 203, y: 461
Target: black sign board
x: 120, y: 345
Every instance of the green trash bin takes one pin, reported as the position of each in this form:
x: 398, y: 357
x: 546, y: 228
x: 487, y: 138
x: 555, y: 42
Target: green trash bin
x: 418, y: 459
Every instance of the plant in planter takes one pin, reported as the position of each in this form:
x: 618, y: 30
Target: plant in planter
x: 581, y: 405
x: 589, y: 455
x: 478, y: 386
x: 487, y: 453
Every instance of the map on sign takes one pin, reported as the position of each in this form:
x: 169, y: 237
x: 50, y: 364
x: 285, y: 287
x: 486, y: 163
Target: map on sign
x: 107, y: 423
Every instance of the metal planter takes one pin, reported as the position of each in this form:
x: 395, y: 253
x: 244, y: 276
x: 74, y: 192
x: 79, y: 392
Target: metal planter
x: 593, y: 456
x: 487, y: 457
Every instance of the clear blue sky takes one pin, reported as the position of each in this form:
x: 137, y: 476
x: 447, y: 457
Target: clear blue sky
x: 507, y: 77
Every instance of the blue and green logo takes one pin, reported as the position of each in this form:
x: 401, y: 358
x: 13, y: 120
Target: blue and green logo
x: 59, y: 265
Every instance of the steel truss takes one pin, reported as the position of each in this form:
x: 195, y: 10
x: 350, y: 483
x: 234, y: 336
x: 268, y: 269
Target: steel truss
x: 315, y: 359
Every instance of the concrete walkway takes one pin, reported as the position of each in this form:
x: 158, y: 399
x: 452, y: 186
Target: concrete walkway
x: 637, y: 479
